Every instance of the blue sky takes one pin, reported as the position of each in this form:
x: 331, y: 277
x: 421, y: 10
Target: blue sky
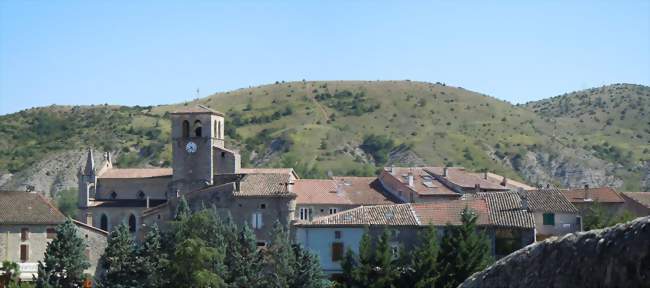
x: 158, y: 52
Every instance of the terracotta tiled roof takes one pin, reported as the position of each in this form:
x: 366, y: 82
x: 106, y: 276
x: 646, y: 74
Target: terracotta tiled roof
x: 319, y: 191
x: 642, y: 198
x: 267, y: 171
x: 27, y: 208
x: 461, y: 177
x: 199, y: 109
x: 394, y: 215
x: 365, y: 191
x: 136, y: 173
x: 548, y: 200
x: 423, y: 183
x: 600, y: 194
x: 264, y: 185
x: 506, y: 210
x: 448, y: 211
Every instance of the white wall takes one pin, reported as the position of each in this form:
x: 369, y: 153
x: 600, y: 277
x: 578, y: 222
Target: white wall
x: 564, y: 223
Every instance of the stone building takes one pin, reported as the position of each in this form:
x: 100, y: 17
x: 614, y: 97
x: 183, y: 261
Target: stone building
x: 638, y: 203
x: 586, y: 198
x: 27, y: 226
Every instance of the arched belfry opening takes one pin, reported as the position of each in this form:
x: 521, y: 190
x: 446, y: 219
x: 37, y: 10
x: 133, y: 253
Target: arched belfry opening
x: 186, y: 129
x: 219, y: 129
x: 198, y: 129
x: 214, y: 134
x: 132, y: 223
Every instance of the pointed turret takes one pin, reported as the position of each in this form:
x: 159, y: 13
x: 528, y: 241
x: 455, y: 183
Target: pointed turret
x: 89, y: 169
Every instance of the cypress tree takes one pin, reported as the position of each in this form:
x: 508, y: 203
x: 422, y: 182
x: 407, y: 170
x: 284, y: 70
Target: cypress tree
x: 65, y: 260
x: 246, y: 269
x: 152, y: 260
x: 383, y: 273
x: 348, y: 266
x: 182, y: 210
x: 464, y: 251
x: 307, y: 270
x: 280, y: 258
x: 362, y: 273
x: 424, y: 259
x: 119, y: 260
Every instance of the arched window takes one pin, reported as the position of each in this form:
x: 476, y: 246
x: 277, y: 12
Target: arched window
x: 103, y: 222
x: 186, y: 129
x: 197, y: 128
x: 132, y: 223
x: 214, y: 134
x: 141, y: 194
x: 219, y: 130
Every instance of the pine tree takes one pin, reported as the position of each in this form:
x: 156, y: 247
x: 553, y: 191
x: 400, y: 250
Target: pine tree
x: 424, y: 259
x: 65, y: 260
x: 362, y: 273
x: 192, y: 265
x: 349, y: 266
x: 182, y: 210
x: 119, y: 260
x: 464, y: 251
x: 152, y: 260
x: 383, y: 273
x: 246, y: 269
x: 280, y: 258
x: 307, y: 270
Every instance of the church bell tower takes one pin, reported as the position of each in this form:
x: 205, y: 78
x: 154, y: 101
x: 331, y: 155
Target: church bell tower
x: 196, y: 132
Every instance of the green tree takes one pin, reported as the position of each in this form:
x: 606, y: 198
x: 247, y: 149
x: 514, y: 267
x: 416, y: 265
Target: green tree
x: 193, y: 264
x: 119, y: 260
x: 247, y: 261
x: 307, y: 270
x: 67, y: 202
x: 9, y: 273
x: 348, y: 266
x: 152, y: 260
x: 280, y: 258
x: 65, y: 261
x: 384, y: 272
x: 597, y: 217
x: 463, y: 251
x: 182, y: 210
x: 424, y: 259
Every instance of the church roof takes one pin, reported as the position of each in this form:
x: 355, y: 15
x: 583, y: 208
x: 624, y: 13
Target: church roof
x: 199, y: 109
x: 28, y: 208
x: 264, y: 185
x: 267, y: 171
x: 136, y: 173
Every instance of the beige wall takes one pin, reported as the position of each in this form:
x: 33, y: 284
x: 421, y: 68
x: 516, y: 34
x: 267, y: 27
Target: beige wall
x: 115, y: 215
x: 564, y: 223
x: 155, y: 188
x: 10, y: 242
x: 316, y: 209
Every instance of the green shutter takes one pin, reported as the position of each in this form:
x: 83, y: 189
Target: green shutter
x: 549, y: 219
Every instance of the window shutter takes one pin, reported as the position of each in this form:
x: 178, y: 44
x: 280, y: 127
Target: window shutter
x: 260, y: 223
x: 337, y: 251
x: 253, y: 222
x: 24, y: 253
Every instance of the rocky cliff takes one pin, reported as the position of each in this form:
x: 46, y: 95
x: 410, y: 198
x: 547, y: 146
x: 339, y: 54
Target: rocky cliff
x: 618, y: 256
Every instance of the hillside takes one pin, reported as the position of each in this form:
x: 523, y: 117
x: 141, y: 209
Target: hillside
x: 354, y: 127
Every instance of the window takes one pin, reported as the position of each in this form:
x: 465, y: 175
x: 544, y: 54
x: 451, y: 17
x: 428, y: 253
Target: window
x: 24, y: 234
x: 51, y: 233
x: 305, y: 214
x: 337, y: 251
x: 337, y: 234
x: 261, y: 244
x: 141, y: 194
x: 214, y: 133
x: 132, y: 224
x: 197, y: 128
x: 262, y: 206
x: 257, y: 220
x: 333, y: 210
x: 219, y: 130
x: 549, y: 219
x: 103, y: 222
x: 113, y: 195
x: 186, y: 129
x: 24, y: 253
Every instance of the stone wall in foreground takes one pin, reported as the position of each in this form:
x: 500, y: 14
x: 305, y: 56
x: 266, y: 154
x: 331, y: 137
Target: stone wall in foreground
x: 618, y: 256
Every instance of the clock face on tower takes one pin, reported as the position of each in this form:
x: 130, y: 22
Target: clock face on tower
x: 191, y: 147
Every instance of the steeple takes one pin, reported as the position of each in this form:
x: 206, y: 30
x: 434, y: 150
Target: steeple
x: 89, y: 169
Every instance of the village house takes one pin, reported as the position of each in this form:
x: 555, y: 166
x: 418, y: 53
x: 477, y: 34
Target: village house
x: 588, y: 198
x: 554, y: 214
x: 638, y: 203
x: 330, y: 236
x: 27, y: 226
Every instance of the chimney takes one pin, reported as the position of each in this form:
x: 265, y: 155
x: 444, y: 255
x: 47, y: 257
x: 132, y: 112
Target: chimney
x: 504, y: 182
x: 410, y: 179
x: 89, y: 218
x: 148, y: 202
x: 485, y: 175
x: 445, y: 171
x: 339, y: 188
x: 477, y: 187
x: 290, y: 187
x: 524, y: 199
x: 587, y: 193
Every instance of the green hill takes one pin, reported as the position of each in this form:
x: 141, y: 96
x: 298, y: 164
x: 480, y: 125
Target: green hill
x: 355, y: 127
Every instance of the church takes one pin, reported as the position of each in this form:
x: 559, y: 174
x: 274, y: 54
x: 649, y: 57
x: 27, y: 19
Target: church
x: 203, y: 171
